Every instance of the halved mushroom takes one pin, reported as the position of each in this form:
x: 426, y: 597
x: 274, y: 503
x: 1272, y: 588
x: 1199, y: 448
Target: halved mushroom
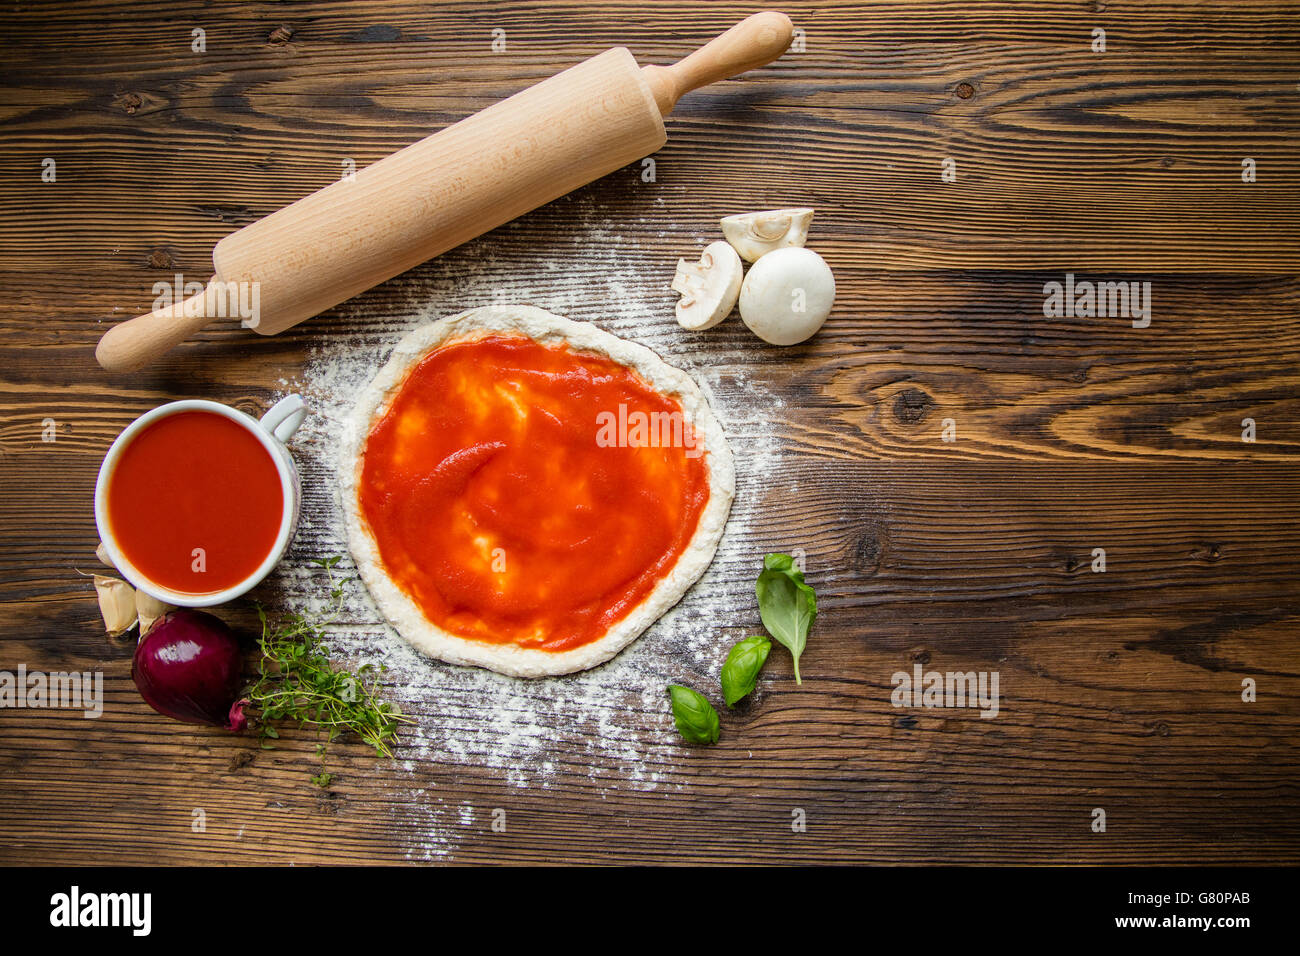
x: 755, y: 233
x: 787, y: 296
x: 709, y: 287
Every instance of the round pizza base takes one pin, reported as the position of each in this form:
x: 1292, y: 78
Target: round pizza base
x: 546, y: 328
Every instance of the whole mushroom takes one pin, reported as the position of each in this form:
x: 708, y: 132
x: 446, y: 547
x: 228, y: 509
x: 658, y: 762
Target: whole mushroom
x: 787, y: 296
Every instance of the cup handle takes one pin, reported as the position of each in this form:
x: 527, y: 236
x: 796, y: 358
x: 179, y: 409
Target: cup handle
x: 284, y: 417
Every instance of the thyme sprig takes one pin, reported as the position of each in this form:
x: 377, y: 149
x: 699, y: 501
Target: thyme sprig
x: 296, y: 681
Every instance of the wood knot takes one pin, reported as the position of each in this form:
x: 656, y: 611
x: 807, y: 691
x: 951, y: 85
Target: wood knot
x: 1166, y: 161
x: 280, y: 35
x: 911, y: 405
x: 907, y: 723
x: 867, y: 549
x: 965, y: 90
x: 161, y: 259
x: 921, y: 657
x: 130, y: 102
x: 1071, y: 563
x: 241, y: 759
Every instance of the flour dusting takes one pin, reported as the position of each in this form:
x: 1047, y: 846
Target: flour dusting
x: 604, y: 729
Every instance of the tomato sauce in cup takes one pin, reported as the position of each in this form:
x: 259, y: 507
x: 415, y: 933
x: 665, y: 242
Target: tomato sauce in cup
x: 197, y: 501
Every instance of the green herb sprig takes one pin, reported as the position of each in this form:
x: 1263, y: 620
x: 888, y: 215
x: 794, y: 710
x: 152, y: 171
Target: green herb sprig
x: 296, y: 681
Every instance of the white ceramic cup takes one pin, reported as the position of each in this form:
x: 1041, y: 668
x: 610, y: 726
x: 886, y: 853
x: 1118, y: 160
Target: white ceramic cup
x: 273, y: 429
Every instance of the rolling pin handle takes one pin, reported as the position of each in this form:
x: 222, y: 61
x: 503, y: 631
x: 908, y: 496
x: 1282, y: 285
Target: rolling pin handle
x: 755, y: 41
x: 136, y: 342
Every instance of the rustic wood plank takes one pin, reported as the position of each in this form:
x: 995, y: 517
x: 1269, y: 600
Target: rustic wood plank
x: 904, y: 352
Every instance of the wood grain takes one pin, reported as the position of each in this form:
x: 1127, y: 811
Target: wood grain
x: 1122, y: 689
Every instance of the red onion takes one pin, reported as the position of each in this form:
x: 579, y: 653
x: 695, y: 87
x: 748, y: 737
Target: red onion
x: 188, y: 666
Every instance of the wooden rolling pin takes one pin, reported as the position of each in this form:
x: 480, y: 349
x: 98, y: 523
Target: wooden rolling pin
x: 446, y: 189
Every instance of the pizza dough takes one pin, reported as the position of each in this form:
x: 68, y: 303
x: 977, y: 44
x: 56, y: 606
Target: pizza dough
x: 412, y: 611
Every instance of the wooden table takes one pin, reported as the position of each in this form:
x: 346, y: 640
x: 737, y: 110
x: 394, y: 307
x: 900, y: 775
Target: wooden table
x: 1120, y: 690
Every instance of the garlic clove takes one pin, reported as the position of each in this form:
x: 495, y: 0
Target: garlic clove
x: 709, y: 287
x: 116, y: 604
x: 101, y: 552
x: 787, y: 296
x: 754, y: 234
x: 148, y: 609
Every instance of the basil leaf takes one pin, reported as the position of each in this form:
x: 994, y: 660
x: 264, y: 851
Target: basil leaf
x: 695, y: 717
x: 740, y: 670
x: 787, y: 605
x: 782, y: 562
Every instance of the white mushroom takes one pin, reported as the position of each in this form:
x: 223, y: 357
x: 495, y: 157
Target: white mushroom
x: 709, y: 287
x: 787, y: 296
x: 755, y: 234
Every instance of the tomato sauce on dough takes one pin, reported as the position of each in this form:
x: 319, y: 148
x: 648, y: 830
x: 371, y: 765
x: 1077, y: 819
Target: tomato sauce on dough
x: 195, y: 480
x: 513, y: 498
